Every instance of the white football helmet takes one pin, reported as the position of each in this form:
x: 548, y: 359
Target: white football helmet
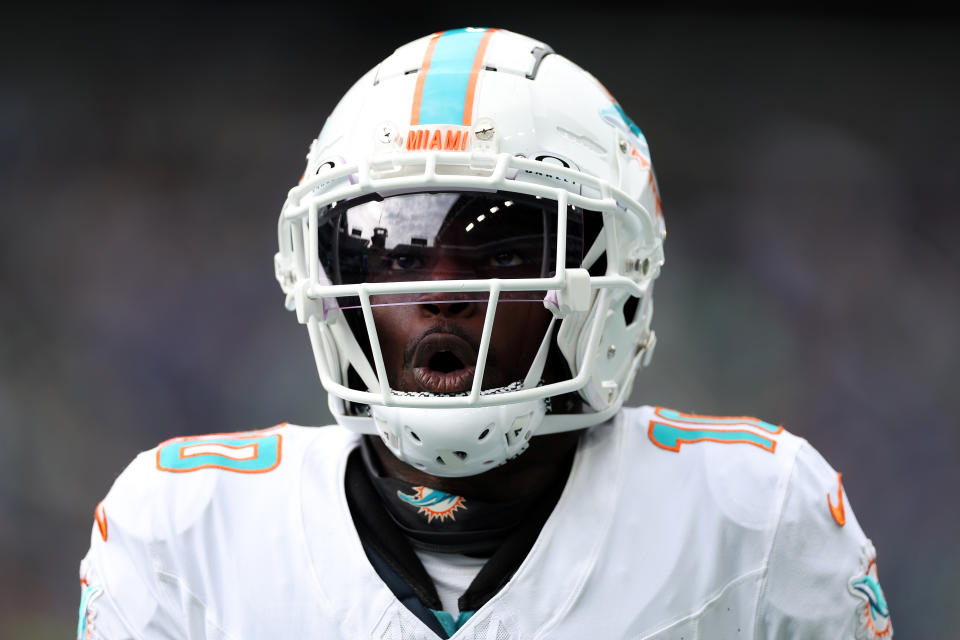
x: 475, y: 129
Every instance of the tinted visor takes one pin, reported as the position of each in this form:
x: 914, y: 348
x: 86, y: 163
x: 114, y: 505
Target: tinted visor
x: 445, y: 236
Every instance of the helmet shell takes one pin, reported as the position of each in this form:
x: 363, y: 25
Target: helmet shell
x: 485, y: 109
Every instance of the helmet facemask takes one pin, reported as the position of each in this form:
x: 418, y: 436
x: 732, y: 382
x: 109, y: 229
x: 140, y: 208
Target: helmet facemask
x: 430, y: 341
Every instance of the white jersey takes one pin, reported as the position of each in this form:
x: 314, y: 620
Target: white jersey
x: 670, y: 526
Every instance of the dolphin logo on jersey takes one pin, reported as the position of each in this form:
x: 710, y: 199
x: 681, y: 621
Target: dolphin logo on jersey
x: 873, y: 614
x: 433, y: 503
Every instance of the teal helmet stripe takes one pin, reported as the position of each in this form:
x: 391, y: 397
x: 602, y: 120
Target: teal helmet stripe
x: 447, y: 80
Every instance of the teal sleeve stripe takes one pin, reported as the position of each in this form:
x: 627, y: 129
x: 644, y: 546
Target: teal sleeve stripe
x: 445, y: 85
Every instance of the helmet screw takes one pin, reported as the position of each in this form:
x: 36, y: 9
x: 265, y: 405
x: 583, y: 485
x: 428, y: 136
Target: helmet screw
x: 385, y: 133
x: 623, y: 145
x: 611, y: 351
x: 484, y: 130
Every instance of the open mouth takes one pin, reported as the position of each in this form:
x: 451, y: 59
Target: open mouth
x: 444, y: 363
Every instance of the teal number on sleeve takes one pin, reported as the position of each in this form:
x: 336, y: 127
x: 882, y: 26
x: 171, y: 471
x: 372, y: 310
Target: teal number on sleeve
x: 689, y: 418
x: 681, y: 428
x: 245, y: 455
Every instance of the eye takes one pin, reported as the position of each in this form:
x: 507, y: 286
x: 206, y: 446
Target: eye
x: 403, y: 262
x: 506, y: 259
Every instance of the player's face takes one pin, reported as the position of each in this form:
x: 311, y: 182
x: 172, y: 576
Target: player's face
x: 430, y: 341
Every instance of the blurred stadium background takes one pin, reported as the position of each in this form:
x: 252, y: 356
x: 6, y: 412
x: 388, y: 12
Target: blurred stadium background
x: 809, y: 170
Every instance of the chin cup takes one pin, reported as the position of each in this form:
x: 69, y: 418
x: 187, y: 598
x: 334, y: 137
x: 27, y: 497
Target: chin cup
x: 458, y: 442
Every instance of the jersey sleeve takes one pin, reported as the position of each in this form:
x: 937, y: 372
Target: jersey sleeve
x: 124, y: 593
x: 821, y: 581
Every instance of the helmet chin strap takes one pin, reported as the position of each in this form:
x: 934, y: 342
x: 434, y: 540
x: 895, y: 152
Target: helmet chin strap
x: 465, y: 441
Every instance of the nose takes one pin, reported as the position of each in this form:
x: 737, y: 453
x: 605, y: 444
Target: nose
x: 448, y: 305
x: 460, y: 304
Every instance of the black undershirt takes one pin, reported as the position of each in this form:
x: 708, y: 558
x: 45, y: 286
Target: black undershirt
x: 445, y: 523
x: 390, y: 527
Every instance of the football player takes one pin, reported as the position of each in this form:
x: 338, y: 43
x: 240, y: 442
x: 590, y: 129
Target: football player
x: 472, y: 249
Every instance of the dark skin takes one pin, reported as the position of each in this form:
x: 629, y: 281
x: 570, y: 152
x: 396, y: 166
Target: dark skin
x: 404, y: 330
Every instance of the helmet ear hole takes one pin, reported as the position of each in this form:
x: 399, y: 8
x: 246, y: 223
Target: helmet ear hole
x: 630, y: 310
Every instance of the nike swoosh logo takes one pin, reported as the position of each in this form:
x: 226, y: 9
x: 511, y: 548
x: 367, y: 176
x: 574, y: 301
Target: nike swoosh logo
x: 100, y: 515
x: 837, y: 510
